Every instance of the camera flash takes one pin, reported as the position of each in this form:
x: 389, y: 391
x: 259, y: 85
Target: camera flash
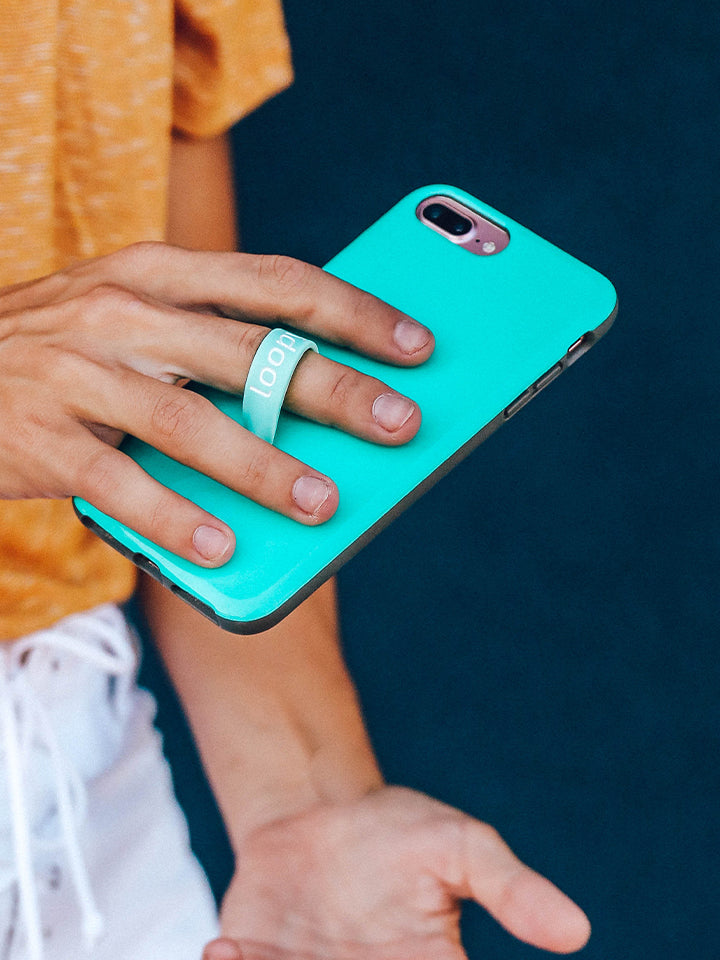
x: 489, y: 246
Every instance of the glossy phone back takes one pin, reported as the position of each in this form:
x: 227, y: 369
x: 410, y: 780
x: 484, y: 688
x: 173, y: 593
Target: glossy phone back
x: 501, y: 324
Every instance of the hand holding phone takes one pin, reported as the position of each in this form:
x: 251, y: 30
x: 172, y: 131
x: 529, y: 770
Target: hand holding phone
x: 101, y: 349
x: 509, y: 312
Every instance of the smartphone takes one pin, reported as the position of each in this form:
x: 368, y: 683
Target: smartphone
x: 509, y: 312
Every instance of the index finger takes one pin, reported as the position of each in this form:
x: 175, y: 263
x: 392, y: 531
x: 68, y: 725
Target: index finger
x: 274, y: 290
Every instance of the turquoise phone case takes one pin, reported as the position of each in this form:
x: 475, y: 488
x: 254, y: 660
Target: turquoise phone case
x: 503, y: 326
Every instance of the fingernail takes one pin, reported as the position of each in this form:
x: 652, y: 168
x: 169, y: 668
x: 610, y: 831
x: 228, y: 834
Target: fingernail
x: 310, y: 493
x: 210, y: 542
x: 411, y: 336
x: 391, y: 411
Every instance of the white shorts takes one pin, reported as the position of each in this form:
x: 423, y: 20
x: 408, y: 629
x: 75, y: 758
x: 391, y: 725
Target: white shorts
x: 64, y: 716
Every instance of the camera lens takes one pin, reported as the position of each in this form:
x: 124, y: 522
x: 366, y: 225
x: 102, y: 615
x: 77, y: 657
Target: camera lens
x: 447, y: 219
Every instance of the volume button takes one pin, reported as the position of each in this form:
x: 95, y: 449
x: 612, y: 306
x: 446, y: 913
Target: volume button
x: 548, y: 377
x: 518, y: 403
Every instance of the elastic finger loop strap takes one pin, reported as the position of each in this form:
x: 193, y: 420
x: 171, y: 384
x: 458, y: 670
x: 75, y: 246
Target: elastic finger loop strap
x: 269, y: 378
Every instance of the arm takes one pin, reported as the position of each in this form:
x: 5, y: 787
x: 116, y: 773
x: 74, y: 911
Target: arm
x: 201, y: 195
x: 330, y: 862
x: 274, y: 715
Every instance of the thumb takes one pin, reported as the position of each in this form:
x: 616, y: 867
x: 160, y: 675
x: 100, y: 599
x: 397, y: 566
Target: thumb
x: 222, y: 949
x: 484, y: 868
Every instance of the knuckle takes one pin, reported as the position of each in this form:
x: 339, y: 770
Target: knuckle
x: 146, y: 248
x: 362, y: 313
x: 105, y: 296
x: 285, y: 274
x: 362, y: 306
x: 136, y: 255
x: 161, y: 516
x: 177, y: 416
x: 252, y: 474
x: 345, y: 397
x: 484, y: 834
x: 248, y: 337
x: 118, y: 265
x: 96, y: 475
x: 341, y: 389
x: 68, y: 370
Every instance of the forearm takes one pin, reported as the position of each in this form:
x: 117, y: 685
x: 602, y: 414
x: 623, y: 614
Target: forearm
x: 201, y: 195
x: 275, y: 715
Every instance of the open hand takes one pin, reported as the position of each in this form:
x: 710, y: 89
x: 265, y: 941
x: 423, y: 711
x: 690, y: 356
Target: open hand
x: 381, y: 878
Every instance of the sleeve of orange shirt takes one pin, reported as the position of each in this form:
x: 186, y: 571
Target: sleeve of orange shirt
x: 229, y: 58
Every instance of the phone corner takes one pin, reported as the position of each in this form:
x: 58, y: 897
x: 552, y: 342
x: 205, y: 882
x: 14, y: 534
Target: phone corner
x: 443, y: 189
x: 82, y: 510
x: 612, y: 307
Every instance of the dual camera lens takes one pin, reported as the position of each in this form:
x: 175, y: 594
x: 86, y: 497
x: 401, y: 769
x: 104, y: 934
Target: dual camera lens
x: 447, y: 219
x: 462, y: 226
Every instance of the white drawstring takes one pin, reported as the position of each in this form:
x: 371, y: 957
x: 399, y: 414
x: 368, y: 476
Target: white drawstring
x: 18, y: 812
x: 25, y: 723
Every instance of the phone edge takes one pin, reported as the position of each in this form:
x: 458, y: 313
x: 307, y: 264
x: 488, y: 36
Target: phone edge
x: 250, y: 627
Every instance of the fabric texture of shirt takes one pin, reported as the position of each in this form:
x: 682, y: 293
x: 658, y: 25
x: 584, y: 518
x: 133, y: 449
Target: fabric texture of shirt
x: 90, y: 91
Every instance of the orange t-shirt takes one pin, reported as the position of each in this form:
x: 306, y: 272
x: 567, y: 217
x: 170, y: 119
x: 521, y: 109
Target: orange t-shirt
x: 90, y: 91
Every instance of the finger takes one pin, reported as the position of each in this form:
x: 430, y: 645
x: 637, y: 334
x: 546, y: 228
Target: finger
x: 222, y: 949
x: 189, y: 428
x: 273, y: 290
x: 281, y: 288
x: 342, y: 397
x: 218, y: 352
x: 170, y: 344
x: 117, y: 486
x: 321, y: 389
x: 526, y: 904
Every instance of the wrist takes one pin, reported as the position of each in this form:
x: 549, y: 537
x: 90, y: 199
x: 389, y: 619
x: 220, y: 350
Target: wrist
x: 287, y: 769
x: 275, y: 716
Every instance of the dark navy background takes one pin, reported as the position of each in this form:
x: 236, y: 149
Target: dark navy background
x: 536, y: 640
